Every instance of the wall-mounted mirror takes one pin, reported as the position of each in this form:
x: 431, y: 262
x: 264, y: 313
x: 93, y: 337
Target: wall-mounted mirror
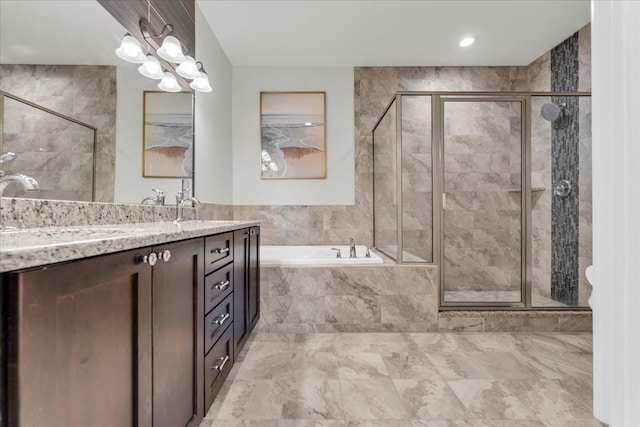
x: 61, y: 56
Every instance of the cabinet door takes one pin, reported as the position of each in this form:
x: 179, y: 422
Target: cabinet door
x: 79, y: 343
x: 178, y: 327
x: 253, y: 284
x: 240, y: 277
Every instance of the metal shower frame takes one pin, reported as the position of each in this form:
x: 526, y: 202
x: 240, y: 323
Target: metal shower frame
x: 438, y: 98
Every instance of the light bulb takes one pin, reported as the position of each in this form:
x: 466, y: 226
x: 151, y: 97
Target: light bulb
x: 151, y: 68
x: 188, y: 68
x: 130, y: 50
x: 201, y: 83
x: 169, y: 83
x: 171, y: 50
x: 467, y: 41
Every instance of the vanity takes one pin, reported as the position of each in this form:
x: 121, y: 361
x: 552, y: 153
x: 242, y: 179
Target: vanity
x: 124, y: 325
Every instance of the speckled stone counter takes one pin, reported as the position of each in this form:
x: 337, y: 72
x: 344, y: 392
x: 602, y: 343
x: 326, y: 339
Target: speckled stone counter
x: 42, y: 246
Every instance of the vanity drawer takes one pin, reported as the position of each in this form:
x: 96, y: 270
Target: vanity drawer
x: 218, y: 250
x: 217, y: 286
x: 217, y: 365
x: 217, y: 321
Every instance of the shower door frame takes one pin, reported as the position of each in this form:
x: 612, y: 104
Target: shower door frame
x: 437, y: 152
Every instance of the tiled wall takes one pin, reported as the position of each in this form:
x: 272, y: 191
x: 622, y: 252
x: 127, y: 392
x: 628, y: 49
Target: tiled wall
x: 86, y: 93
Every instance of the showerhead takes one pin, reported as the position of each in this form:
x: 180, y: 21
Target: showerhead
x: 551, y: 111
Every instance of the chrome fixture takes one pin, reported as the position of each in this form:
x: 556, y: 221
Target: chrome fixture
x: 182, y: 198
x: 352, y: 248
x: 157, y: 200
x: 26, y: 182
x: 562, y: 188
x: 339, y: 254
x: 153, y: 258
x: 367, y: 254
x: 168, y: 48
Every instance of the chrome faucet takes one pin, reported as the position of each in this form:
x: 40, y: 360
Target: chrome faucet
x: 182, y: 198
x: 27, y: 183
x: 338, y: 254
x: 157, y: 200
x: 352, y: 248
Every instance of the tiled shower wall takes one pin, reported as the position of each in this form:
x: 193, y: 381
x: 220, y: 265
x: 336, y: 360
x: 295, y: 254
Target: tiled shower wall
x: 86, y: 93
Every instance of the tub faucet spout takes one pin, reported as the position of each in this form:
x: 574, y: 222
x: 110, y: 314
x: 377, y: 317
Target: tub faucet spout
x: 352, y: 248
x: 339, y: 254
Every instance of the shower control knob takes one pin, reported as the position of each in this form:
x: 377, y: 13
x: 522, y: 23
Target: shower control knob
x: 562, y: 188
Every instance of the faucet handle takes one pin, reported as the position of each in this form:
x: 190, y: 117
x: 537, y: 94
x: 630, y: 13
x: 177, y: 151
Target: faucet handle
x: 160, y: 192
x: 7, y: 157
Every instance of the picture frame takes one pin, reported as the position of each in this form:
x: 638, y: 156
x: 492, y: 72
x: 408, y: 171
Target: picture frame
x: 293, y: 135
x: 167, y: 135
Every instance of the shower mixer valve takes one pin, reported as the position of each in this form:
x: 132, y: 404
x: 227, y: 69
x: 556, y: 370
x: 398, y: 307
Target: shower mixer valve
x: 562, y: 188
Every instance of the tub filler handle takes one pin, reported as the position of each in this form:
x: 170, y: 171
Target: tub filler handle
x: 339, y: 254
x: 367, y: 254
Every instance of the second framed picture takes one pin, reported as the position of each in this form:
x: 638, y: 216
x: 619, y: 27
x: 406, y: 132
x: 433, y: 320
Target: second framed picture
x: 293, y: 135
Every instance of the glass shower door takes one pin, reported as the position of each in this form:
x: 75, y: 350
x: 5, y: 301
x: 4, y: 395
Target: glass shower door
x: 482, y: 201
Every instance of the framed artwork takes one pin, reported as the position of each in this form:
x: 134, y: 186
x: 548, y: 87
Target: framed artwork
x: 293, y: 135
x: 167, y: 136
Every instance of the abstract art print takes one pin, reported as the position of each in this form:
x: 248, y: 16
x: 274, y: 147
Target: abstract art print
x: 293, y: 129
x: 167, y: 135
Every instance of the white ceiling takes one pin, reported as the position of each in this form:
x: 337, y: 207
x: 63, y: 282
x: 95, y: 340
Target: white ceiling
x: 58, y: 32
x: 309, y: 33
x: 386, y: 33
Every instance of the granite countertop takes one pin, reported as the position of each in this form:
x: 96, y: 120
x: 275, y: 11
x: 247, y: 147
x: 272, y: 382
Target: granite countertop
x: 34, y: 247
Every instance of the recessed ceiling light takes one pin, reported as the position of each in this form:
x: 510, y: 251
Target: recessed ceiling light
x: 467, y: 41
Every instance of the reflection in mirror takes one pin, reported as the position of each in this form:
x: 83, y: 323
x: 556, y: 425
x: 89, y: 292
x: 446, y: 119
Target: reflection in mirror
x: 55, y: 150
x: 70, y: 67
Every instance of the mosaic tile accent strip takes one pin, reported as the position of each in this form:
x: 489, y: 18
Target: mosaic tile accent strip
x: 565, y: 211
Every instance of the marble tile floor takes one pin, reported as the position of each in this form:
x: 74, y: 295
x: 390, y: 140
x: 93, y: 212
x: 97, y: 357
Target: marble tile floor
x: 409, y: 380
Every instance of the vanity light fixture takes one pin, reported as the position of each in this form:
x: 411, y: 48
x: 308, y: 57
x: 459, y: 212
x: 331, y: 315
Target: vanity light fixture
x: 201, y: 83
x: 188, y: 68
x: 151, y: 68
x: 170, y: 49
x: 467, y: 41
x: 130, y: 50
x: 169, y: 83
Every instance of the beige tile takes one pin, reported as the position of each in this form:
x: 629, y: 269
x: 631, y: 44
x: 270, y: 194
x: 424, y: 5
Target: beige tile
x: 430, y: 399
x: 481, y: 365
x: 371, y: 399
x: 265, y: 365
x: 361, y: 366
x: 313, y: 365
x: 253, y: 400
x: 313, y: 399
x: 413, y: 365
x: 486, y: 399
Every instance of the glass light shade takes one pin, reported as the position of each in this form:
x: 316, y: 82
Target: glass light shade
x: 169, y: 83
x: 171, y: 50
x: 188, y: 68
x: 201, y: 83
x: 130, y: 50
x: 151, y: 68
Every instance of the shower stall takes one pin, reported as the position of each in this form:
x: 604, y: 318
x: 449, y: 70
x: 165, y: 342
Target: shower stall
x: 494, y: 188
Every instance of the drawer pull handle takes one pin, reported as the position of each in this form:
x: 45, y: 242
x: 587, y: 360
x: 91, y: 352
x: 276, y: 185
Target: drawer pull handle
x: 221, y: 366
x: 219, y: 250
x: 221, y: 319
x: 221, y: 285
x: 150, y: 259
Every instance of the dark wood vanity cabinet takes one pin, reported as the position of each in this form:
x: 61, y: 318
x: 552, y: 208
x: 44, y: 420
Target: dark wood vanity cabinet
x: 247, y: 272
x: 178, y: 323
x: 114, y: 341
x: 80, y: 343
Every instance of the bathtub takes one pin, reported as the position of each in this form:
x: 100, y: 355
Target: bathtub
x: 314, y: 255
